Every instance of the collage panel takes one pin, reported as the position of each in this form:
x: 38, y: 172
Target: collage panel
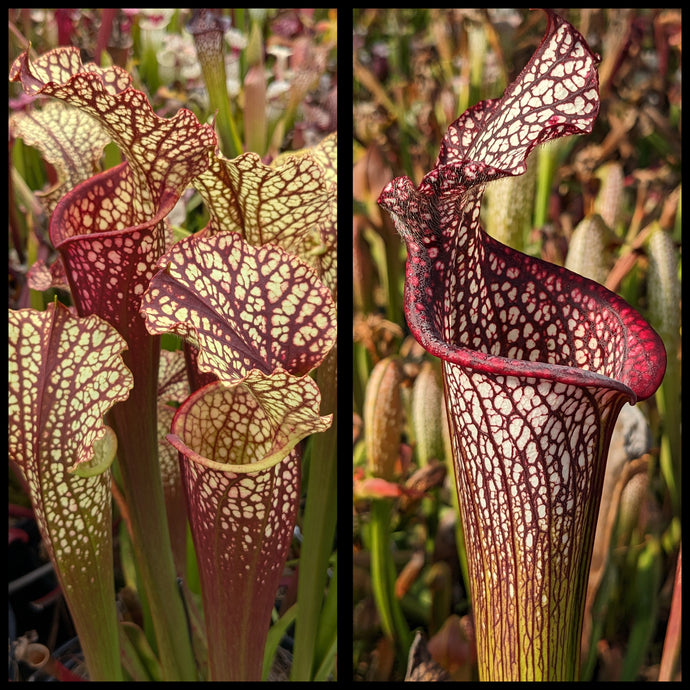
x: 172, y: 359
x: 516, y: 344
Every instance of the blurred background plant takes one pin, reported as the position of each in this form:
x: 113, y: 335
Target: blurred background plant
x: 607, y: 206
x: 279, y: 94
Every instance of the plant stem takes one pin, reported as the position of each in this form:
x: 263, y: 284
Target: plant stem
x: 645, y: 589
x: 327, y: 636
x: 547, y: 164
x: 275, y: 635
x: 383, y: 576
x: 98, y: 638
x: 135, y: 424
x: 671, y: 654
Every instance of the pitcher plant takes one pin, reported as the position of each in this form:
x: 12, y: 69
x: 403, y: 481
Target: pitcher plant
x: 537, y: 363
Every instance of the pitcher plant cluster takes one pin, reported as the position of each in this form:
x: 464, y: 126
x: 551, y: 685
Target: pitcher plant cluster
x: 536, y: 363
x: 207, y: 436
